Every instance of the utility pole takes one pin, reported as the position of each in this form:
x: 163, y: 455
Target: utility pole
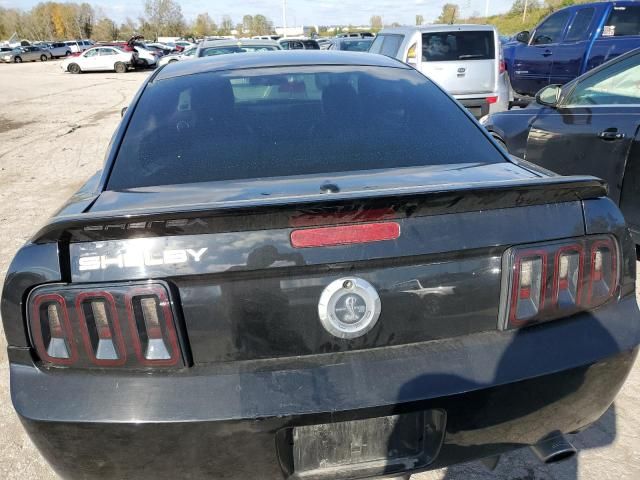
x: 284, y: 18
x: 486, y: 9
x: 524, y: 13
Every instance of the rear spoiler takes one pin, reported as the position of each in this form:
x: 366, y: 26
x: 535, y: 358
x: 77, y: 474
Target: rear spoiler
x: 269, y: 213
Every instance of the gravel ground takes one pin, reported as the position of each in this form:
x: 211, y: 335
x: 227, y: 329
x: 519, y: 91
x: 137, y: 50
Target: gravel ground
x: 54, y: 129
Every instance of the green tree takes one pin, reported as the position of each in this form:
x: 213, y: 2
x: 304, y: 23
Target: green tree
x: 106, y: 29
x: 261, y: 25
x: 127, y: 29
x: 85, y: 18
x: 449, y: 13
x: 164, y: 17
x: 204, y: 25
x: 376, y: 22
x: 226, y: 25
x: 247, y: 24
x: 419, y: 20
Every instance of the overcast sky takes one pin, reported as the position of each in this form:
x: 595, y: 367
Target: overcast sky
x: 299, y: 12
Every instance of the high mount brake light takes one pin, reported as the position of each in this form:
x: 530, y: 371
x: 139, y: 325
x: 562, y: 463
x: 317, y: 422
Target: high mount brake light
x: 85, y: 325
x: 549, y: 281
x: 345, y: 234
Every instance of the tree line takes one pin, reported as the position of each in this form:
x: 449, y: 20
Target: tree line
x: 70, y: 20
x: 523, y: 14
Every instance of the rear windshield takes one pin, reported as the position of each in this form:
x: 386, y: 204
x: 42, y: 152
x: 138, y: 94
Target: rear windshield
x: 211, y: 51
x: 274, y: 122
x: 448, y: 46
x: 355, y: 45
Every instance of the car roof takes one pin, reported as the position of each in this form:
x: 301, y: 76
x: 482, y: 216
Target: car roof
x: 282, y: 58
x: 354, y: 39
x: 438, y: 28
x: 228, y: 43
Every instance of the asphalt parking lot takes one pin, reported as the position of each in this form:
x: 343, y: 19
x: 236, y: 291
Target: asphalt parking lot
x: 54, y: 129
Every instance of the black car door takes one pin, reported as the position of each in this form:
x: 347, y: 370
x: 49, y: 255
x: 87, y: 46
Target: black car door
x: 630, y: 196
x: 594, y: 126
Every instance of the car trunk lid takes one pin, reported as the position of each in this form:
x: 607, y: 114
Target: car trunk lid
x: 247, y: 291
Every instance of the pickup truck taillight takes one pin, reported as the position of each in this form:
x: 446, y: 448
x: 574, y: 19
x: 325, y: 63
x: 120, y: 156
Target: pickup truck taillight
x: 129, y: 326
x: 548, y: 281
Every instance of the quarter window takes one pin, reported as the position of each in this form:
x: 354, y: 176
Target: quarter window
x: 617, y: 85
x: 387, y: 45
x: 579, y: 29
x: 622, y: 21
x: 551, y: 30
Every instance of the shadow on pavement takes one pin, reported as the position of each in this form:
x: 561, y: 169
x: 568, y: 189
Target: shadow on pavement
x: 502, y: 414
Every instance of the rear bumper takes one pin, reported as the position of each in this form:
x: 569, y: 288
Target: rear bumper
x: 477, y: 106
x: 500, y: 391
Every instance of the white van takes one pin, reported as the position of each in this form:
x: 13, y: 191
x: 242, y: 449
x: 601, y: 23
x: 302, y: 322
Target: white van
x: 465, y: 60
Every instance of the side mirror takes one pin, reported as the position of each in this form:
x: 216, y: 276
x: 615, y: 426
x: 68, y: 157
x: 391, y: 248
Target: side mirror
x: 523, y: 37
x: 123, y: 111
x: 549, y: 96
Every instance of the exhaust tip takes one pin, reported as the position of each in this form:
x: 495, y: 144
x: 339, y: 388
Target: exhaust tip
x: 554, y: 449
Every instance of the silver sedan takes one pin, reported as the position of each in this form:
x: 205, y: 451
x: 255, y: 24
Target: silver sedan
x: 26, y: 54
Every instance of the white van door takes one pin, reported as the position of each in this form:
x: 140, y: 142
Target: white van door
x: 461, y: 61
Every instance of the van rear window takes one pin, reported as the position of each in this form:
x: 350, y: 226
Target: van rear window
x: 274, y: 122
x: 449, y: 46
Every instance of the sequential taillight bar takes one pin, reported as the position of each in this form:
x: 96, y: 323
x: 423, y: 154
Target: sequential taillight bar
x: 118, y: 325
x: 548, y: 281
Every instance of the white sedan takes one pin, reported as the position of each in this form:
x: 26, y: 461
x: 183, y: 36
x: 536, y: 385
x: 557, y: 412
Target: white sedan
x: 176, y: 57
x: 99, y: 58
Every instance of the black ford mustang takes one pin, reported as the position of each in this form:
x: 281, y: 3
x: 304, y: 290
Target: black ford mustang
x: 251, y: 289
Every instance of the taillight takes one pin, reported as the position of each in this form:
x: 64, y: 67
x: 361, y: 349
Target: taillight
x: 568, y: 273
x: 604, y: 272
x: 550, y: 281
x: 129, y: 326
x: 152, y: 327
x: 492, y: 100
x: 100, y: 328
x: 502, y: 67
x: 529, y: 287
x: 51, y: 329
x: 411, y: 54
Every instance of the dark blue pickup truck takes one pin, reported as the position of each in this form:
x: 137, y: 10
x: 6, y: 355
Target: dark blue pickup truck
x: 570, y: 42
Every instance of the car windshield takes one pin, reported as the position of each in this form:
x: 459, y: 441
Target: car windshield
x: 257, y: 123
x: 211, y: 51
x: 452, y: 46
